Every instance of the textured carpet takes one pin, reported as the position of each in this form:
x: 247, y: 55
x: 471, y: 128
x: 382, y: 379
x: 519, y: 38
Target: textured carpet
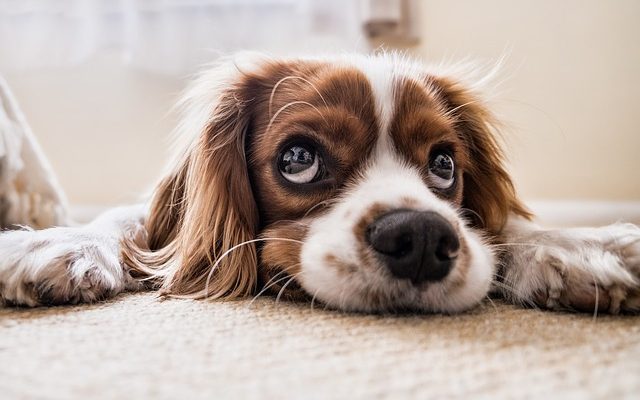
x: 139, y: 347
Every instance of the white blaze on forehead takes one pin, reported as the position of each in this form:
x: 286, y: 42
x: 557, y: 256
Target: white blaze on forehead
x: 381, y: 74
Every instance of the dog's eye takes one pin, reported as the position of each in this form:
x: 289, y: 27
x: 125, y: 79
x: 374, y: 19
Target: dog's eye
x: 441, y: 170
x: 300, y: 164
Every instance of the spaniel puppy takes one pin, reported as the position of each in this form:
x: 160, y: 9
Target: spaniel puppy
x: 367, y: 183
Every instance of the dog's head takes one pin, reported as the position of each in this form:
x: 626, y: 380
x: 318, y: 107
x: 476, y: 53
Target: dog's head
x: 366, y: 183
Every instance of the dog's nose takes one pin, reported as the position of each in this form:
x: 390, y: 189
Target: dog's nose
x: 420, y: 246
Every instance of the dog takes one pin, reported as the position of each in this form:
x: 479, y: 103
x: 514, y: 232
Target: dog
x: 365, y: 183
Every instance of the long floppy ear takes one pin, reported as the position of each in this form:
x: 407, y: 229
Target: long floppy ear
x: 203, y: 211
x: 488, y: 189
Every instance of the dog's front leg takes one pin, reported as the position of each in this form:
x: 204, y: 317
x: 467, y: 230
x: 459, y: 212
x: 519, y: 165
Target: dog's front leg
x: 583, y: 269
x: 69, y: 264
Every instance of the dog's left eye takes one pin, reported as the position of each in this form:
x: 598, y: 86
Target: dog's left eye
x: 441, y: 170
x: 300, y: 164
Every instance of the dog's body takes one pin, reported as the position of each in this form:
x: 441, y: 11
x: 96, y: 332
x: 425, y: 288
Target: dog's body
x: 366, y: 183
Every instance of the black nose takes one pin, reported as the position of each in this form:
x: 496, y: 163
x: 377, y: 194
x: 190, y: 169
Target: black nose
x: 420, y: 246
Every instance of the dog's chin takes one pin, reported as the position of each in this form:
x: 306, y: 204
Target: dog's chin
x: 369, y: 287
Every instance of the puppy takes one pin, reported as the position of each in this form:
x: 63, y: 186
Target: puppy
x: 367, y: 183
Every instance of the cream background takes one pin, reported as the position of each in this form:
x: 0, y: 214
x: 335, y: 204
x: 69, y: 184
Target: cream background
x: 570, y: 98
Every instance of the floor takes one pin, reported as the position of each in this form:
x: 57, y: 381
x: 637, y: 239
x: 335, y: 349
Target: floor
x: 137, y: 346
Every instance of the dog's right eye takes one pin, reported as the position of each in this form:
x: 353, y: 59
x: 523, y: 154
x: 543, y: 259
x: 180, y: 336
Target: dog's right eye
x: 300, y: 164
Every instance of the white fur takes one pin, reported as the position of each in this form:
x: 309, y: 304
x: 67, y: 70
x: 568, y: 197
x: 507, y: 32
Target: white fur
x: 567, y: 267
x: 68, y: 264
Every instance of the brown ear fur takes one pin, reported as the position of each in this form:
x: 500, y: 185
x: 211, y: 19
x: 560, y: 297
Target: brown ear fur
x: 201, y: 211
x: 488, y: 189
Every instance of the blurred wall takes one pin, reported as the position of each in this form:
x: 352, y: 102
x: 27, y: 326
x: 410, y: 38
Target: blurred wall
x: 571, y: 100
x: 104, y: 126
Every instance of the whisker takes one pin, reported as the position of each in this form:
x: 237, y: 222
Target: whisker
x: 492, y: 303
x: 290, y: 221
x: 513, y: 294
x: 595, y: 308
x: 596, y: 286
x: 272, y: 120
x: 453, y: 110
x: 313, y: 299
x: 474, y: 213
x: 497, y: 275
x: 269, y: 284
x: 501, y: 282
x: 342, y: 300
x: 285, y: 286
x: 226, y: 253
x: 267, y: 288
x: 275, y: 88
x: 324, y: 202
x: 521, y: 244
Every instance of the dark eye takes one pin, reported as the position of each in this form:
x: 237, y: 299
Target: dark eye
x: 441, y: 170
x: 300, y: 164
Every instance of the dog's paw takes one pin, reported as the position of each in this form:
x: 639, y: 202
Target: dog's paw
x: 60, y: 266
x: 594, y: 269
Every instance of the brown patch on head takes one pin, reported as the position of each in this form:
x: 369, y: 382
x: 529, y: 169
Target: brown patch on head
x: 437, y: 113
x: 420, y: 125
x: 329, y: 108
x: 488, y: 189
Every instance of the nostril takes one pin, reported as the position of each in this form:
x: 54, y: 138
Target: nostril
x: 390, y: 242
x: 448, y: 248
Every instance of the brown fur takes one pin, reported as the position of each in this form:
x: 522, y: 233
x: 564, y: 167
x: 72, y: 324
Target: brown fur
x: 338, y: 114
x: 202, y: 210
x: 488, y: 189
x: 280, y: 259
x: 419, y: 125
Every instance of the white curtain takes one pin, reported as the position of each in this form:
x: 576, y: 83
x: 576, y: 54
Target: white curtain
x: 171, y: 36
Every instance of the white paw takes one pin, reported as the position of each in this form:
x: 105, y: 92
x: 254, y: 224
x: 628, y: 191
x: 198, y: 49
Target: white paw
x: 59, y: 266
x: 578, y: 269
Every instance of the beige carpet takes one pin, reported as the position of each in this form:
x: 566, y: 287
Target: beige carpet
x: 139, y: 347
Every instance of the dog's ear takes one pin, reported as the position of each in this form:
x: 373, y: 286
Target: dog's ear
x: 203, y: 214
x: 488, y: 189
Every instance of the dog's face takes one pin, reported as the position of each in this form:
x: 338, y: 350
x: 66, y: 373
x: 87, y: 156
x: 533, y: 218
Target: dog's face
x: 366, y: 183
